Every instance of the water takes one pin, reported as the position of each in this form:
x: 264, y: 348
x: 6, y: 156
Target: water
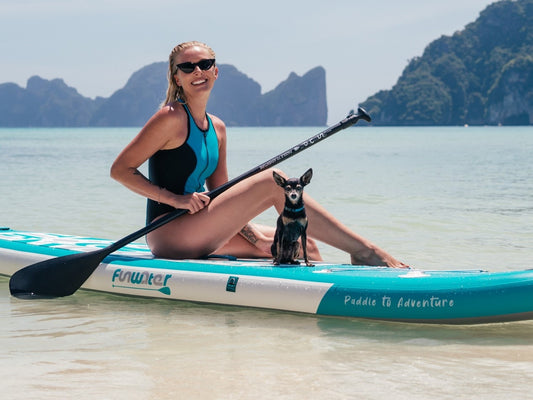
x: 437, y: 198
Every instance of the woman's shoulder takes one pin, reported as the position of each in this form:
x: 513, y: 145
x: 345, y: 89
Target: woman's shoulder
x: 168, y: 116
x: 172, y: 111
x: 168, y: 125
x: 217, y: 123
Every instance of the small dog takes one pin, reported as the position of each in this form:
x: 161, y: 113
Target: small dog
x: 292, y: 222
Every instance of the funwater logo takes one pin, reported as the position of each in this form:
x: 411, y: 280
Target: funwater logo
x: 141, y: 281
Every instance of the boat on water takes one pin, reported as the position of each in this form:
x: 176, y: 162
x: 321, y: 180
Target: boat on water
x: 412, y: 295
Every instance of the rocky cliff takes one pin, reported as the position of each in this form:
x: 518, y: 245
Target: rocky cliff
x: 236, y: 98
x: 482, y: 75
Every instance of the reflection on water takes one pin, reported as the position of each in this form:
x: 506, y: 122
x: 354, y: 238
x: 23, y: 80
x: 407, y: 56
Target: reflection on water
x: 93, y: 344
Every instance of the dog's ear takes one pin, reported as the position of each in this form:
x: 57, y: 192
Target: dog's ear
x: 281, y: 181
x: 306, y: 177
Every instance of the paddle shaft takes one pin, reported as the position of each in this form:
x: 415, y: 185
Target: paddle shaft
x: 345, y: 123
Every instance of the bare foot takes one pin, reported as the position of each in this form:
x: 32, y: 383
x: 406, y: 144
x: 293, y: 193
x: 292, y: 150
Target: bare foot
x: 376, y: 257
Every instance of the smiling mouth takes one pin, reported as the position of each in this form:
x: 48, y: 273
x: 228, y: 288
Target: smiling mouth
x: 199, y: 82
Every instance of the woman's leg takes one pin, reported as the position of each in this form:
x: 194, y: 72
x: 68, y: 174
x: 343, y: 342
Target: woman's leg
x: 200, y: 234
x: 326, y: 228
x: 238, y: 246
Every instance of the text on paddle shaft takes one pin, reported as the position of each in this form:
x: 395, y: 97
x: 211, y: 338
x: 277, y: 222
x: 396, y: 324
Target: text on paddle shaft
x: 296, y: 149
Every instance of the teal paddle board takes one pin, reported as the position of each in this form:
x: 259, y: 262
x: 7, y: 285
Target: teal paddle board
x: 413, y: 295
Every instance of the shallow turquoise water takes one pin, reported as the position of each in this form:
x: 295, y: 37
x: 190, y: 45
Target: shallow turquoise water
x: 437, y: 198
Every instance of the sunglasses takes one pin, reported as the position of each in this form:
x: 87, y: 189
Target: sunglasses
x: 189, y: 67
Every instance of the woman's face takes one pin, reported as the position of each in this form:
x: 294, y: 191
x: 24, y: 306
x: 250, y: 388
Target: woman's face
x: 198, y: 81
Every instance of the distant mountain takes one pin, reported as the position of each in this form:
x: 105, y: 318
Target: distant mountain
x: 137, y: 101
x: 297, y: 101
x: 482, y: 75
x: 236, y: 98
x: 44, y: 103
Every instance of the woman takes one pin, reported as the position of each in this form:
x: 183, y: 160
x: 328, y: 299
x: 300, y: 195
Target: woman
x: 186, y: 147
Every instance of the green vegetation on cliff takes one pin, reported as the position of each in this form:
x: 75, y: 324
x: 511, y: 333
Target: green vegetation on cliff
x: 482, y: 75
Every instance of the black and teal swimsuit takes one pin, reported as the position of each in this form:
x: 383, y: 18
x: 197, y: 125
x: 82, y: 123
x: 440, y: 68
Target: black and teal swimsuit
x: 184, y: 169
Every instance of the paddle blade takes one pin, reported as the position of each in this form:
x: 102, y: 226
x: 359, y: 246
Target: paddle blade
x: 56, y: 277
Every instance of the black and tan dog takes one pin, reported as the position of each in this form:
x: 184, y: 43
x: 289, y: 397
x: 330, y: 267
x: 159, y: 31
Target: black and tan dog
x: 292, y: 222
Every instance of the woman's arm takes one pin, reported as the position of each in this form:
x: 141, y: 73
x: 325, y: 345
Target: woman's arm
x: 165, y: 130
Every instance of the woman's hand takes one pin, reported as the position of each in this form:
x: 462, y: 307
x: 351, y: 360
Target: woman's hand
x: 193, y: 202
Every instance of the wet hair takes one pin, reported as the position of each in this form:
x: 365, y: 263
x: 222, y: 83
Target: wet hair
x: 175, y: 92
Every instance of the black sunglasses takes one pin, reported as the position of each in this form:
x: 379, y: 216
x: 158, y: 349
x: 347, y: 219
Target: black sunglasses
x: 189, y: 67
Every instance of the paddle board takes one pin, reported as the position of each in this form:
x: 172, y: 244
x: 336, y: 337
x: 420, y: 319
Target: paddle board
x: 413, y: 295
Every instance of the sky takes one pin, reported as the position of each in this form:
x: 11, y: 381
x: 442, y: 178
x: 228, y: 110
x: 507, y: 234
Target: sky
x: 96, y: 45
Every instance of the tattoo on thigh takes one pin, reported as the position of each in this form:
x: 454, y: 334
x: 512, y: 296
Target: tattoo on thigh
x: 248, y: 234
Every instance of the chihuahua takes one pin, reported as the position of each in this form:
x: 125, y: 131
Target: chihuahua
x: 292, y: 222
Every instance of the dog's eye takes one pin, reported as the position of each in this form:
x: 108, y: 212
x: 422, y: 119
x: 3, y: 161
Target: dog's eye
x: 299, y: 187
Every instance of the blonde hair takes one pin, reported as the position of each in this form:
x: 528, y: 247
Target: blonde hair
x: 175, y: 92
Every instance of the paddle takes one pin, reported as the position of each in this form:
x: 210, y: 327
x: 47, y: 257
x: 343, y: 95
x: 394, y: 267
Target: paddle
x: 62, y: 276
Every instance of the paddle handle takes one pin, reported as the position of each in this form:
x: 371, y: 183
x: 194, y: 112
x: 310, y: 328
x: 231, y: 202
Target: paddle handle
x: 350, y: 120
